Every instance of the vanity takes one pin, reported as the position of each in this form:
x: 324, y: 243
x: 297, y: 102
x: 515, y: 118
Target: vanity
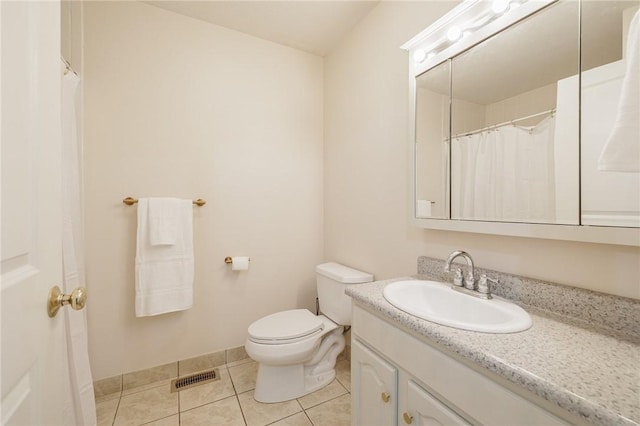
x: 577, y: 363
x: 514, y: 105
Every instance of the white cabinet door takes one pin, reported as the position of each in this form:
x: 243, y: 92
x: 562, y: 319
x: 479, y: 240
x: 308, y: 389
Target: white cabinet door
x: 374, y: 382
x: 424, y: 410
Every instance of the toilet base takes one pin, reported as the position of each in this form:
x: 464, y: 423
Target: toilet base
x: 278, y: 383
x: 288, y: 382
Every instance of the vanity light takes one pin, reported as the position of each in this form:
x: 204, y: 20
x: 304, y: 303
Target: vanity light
x: 458, y: 29
x: 454, y: 33
x: 419, y: 55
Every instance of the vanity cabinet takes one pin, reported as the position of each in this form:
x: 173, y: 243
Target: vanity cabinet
x: 389, y: 396
x: 399, y: 379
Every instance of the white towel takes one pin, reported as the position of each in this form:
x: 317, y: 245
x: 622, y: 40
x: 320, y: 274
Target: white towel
x: 163, y: 220
x: 621, y: 152
x: 164, y: 273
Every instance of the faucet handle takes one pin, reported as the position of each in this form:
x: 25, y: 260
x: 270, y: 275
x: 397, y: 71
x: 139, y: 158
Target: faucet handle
x: 457, y: 279
x: 484, y: 285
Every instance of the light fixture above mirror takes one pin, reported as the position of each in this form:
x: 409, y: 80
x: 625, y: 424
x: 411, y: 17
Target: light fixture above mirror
x: 462, y: 29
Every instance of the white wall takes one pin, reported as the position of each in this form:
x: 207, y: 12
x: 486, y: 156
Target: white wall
x: 367, y: 172
x: 179, y: 107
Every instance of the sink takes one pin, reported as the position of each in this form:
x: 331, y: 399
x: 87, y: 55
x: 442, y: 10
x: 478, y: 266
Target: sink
x: 438, y: 302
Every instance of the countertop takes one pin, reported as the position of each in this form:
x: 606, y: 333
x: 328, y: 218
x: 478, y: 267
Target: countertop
x: 582, y: 369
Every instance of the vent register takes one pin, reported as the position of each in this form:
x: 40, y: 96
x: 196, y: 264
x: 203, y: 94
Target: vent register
x: 193, y: 380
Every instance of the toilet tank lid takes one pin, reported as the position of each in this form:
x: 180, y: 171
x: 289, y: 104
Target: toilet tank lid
x: 343, y: 274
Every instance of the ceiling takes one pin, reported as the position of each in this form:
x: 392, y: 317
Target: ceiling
x: 311, y: 26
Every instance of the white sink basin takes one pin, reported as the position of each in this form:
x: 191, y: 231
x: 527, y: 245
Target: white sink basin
x: 439, y: 303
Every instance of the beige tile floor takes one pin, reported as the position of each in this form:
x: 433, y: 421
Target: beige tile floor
x: 228, y: 401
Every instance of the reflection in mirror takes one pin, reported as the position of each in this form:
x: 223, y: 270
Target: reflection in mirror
x: 431, y: 146
x: 514, y: 145
x: 611, y: 176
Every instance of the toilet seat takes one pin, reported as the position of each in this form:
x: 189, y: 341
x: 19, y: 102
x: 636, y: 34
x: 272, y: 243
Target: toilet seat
x: 285, y: 327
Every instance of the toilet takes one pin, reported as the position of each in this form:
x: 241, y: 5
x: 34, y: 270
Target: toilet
x: 296, y: 350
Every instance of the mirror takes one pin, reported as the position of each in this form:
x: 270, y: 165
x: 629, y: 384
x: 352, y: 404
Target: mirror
x: 431, y: 146
x: 511, y: 120
x: 514, y: 123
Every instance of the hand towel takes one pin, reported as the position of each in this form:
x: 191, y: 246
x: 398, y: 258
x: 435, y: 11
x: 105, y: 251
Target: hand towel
x: 621, y: 152
x: 163, y: 220
x: 164, y: 273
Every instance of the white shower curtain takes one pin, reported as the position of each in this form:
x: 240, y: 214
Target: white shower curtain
x: 83, y: 411
x: 505, y: 174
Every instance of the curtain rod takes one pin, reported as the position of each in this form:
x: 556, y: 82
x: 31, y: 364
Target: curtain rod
x: 495, y: 126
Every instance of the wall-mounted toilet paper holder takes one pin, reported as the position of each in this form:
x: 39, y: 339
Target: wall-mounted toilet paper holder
x: 229, y: 259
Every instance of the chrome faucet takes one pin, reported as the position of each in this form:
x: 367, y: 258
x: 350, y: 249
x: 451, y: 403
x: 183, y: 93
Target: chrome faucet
x: 469, y: 279
x: 483, y: 289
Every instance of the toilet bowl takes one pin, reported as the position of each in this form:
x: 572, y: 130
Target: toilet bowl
x: 296, y: 350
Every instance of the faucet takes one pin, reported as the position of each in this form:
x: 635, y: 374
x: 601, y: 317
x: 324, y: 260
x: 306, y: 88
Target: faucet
x: 484, y: 283
x: 469, y: 279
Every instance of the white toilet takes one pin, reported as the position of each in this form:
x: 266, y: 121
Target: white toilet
x: 296, y: 350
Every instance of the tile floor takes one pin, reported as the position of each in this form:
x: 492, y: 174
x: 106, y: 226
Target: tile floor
x: 228, y: 401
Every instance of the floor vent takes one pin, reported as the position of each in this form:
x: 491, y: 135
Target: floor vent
x: 193, y: 380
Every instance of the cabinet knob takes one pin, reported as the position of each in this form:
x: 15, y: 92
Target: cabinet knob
x: 408, y: 418
x: 385, y: 396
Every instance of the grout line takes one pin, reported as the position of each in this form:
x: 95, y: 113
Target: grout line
x: 148, y: 386
x: 232, y: 381
x: 235, y: 392
x: 179, y: 410
x: 324, y: 402
x: 161, y: 418
x: 241, y: 410
x: 308, y: 418
x: 113, y: 422
x: 279, y: 420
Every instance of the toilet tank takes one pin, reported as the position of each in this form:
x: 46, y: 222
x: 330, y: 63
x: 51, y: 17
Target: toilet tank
x: 332, y: 279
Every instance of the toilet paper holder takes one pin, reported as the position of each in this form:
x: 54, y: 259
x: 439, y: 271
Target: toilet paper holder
x: 229, y: 260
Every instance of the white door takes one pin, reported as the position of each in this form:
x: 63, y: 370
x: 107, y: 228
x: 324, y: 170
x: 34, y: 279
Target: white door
x: 34, y: 383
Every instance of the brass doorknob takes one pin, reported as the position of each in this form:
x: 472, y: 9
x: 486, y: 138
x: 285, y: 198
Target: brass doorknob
x: 77, y: 299
x: 408, y: 418
x: 385, y: 396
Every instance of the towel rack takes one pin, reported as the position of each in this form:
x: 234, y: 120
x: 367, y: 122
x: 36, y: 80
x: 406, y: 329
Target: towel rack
x: 131, y: 201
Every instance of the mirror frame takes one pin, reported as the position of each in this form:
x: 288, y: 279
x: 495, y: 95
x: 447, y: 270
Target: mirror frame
x: 436, y: 36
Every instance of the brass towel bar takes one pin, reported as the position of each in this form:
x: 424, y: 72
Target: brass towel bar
x: 131, y: 201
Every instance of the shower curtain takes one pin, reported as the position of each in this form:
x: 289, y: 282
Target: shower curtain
x: 83, y: 411
x: 505, y: 174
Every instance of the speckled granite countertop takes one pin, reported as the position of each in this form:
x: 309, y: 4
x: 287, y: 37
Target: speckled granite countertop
x: 585, y: 370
